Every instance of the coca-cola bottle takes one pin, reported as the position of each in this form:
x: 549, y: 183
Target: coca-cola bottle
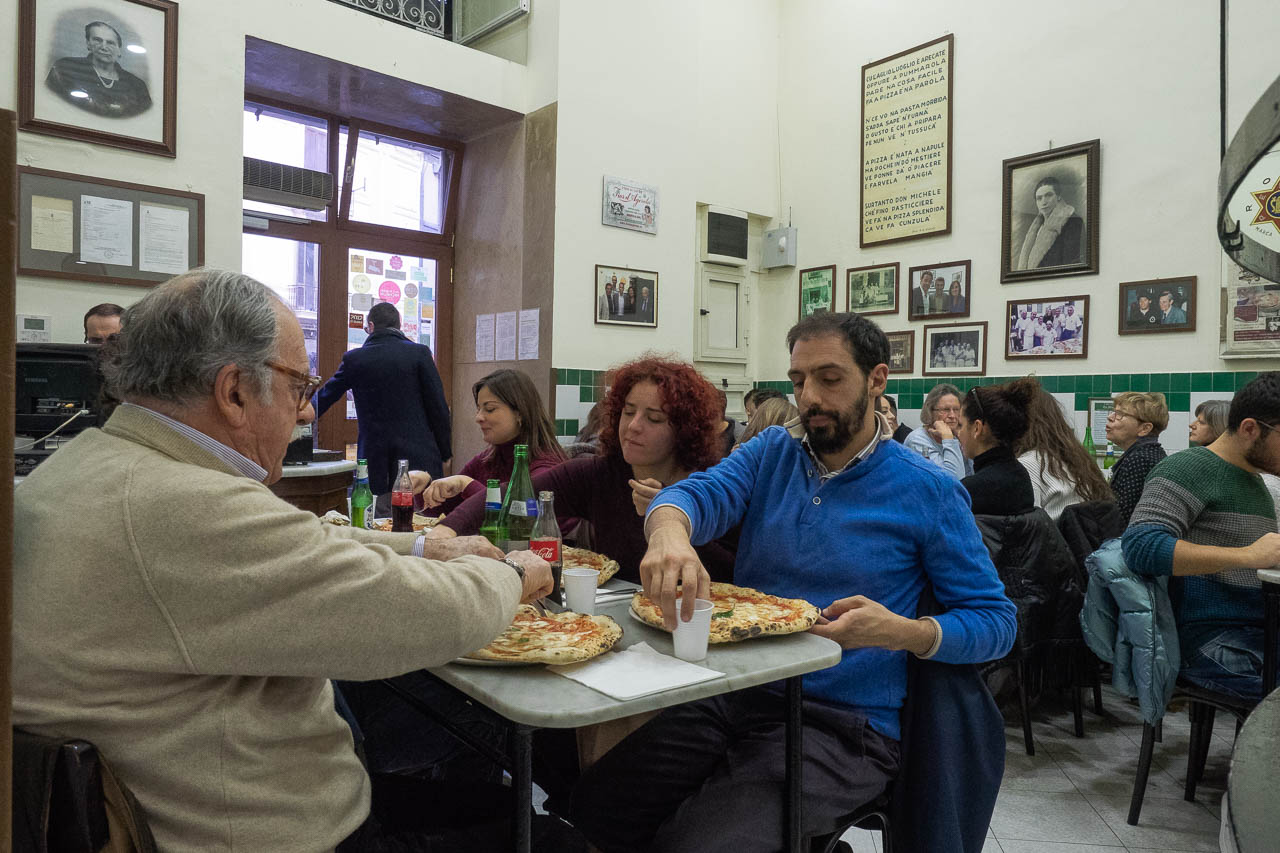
x: 402, y: 500
x: 545, y: 541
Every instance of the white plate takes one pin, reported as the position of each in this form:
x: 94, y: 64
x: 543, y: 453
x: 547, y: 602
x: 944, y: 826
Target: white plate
x: 636, y: 616
x: 474, y: 662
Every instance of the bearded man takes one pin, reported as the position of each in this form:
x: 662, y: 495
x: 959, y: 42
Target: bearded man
x: 833, y: 512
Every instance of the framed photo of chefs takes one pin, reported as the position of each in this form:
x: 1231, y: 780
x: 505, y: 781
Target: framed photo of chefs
x: 626, y: 297
x: 1157, y: 306
x: 1049, y: 224
x: 1047, y: 328
x: 104, y: 71
x: 955, y: 349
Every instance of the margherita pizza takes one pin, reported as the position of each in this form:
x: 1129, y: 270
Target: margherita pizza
x: 420, y: 523
x: 568, y: 637
x: 740, y: 613
x: 581, y: 558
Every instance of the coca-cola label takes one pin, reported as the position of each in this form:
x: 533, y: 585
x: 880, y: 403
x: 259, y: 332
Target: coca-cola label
x: 402, y: 498
x: 547, y: 549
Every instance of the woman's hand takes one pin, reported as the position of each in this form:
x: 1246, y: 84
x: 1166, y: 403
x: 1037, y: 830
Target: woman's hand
x: 940, y: 431
x: 420, y: 480
x: 446, y: 487
x: 642, y: 492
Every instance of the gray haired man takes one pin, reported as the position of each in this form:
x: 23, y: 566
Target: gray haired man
x: 195, y: 645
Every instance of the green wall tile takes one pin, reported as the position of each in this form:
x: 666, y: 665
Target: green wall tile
x: 1160, y: 382
x: 1119, y: 382
x: 562, y: 374
x: 1224, y: 382
x: 1048, y: 383
x: 1244, y: 377
x: 1101, y: 385
x: 1179, y: 401
x: 586, y: 394
x: 1082, y: 401
x: 1179, y: 381
x: 571, y: 426
x: 913, y: 401
x: 1202, y: 382
x: 1140, y: 382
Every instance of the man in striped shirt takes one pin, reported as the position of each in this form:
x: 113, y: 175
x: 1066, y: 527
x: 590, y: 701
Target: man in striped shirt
x: 1206, y: 518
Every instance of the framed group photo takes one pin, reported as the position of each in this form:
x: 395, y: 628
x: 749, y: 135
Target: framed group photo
x: 902, y: 351
x: 939, y: 290
x: 1047, y: 328
x: 817, y: 290
x: 955, y: 349
x: 872, y: 290
x: 1049, y: 215
x: 1158, y: 305
x: 626, y: 297
x: 103, y: 71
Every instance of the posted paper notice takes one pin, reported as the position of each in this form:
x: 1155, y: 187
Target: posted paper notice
x: 106, y: 231
x: 529, y: 334
x: 51, y: 224
x: 484, y: 337
x: 163, y: 238
x: 505, y: 340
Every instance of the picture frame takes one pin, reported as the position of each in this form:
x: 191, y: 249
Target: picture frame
x: 1250, y: 307
x: 629, y: 204
x: 1099, y: 409
x: 104, y: 72
x: 902, y: 351
x: 625, y: 296
x: 1180, y: 316
x: 939, y: 341
x: 877, y: 286
x: 934, y: 303
x: 1061, y: 184
x: 1030, y: 334
x: 817, y: 290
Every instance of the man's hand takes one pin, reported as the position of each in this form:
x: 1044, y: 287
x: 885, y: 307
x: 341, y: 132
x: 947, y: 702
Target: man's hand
x: 671, y: 560
x: 940, y: 431
x: 537, y: 575
x: 859, y: 622
x: 458, y: 546
x: 1262, y: 554
x: 444, y: 488
x: 440, y: 532
x: 420, y: 481
x: 642, y: 492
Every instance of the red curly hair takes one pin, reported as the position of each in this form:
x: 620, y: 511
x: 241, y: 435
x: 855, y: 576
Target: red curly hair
x: 690, y: 402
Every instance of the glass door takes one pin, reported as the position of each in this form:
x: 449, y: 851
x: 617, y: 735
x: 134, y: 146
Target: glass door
x: 291, y: 268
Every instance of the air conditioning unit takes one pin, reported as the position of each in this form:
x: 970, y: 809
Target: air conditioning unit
x: 291, y: 186
x: 724, y: 237
x: 474, y: 19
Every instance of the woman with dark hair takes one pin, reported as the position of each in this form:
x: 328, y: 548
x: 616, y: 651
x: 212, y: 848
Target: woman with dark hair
x: 1062, y: 474
x: 992, y: 419
x: 659, y: 425
x: 955, y: 300
x: 508, y: 412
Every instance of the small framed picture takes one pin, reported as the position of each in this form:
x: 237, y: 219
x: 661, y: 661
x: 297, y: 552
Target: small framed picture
x: 1159, y: 305
x: 939, y: 290
x: 955, y: 349
x: 902, y: 351
x: 1049, y: 219
x: 872, y: 290
x: 817, y: 290
x: 626, y: 297
x: 1099, y: 409
x: 1047, y: 328
x: 104, y: 72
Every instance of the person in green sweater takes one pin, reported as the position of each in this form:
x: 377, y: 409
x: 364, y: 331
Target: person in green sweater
x: 1206, y: 518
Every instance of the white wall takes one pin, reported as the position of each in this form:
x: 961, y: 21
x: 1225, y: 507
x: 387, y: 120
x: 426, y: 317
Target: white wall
x: 210, y: 100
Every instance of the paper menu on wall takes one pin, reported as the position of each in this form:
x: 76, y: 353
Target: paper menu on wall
x: 529, y: 334
x: 51, y: 224
x: 163, y: 238
x: 106, y: 231
x: 484, y: 337
x: 505, y: 337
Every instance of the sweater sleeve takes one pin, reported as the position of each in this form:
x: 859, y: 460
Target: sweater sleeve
x: 572, y: 482
x: 716, y: 499
x: 1163, y: 514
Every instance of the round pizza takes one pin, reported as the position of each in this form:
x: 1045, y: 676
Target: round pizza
x: 420, y: 523
x: 740, y: 613
x: 581, y: 558
x: 567, y: 637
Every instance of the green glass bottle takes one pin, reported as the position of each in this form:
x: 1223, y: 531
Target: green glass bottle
x: 519, y: 513
x: 1110, y: 460
x: 1089, y: 446
x: 490, y: 528
x: 361, y: 497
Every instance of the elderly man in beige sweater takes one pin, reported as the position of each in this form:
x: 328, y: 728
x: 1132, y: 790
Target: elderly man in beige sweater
x: 173, y: 611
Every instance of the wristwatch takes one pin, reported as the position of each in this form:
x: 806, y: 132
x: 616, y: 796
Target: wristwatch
x: 513, y: 564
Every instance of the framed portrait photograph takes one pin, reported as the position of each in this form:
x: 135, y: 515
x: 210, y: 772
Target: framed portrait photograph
x: 1158, y: 305
x: 817, y: 290
x: 1047, y: 328
x: 103, y: 71
x: 939, y: 290
x: 955, y: 349
x: 626, y: 297
x: 872, y: 290
x: 902, y: 351
x: 1049, y: 223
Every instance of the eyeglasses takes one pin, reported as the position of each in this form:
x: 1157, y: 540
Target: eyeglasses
x: 977, y: 401
x: 1265, y: 425
x: 1116, y: 414
x: 309, y: 384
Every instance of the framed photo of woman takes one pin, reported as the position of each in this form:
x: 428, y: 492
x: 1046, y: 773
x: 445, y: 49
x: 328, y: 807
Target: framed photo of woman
x: 1049, y: 222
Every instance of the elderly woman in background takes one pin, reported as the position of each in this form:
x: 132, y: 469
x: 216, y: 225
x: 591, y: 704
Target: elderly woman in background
x: 1210, y: 422
x: 774, y: 411
x: 935, y: 438
x: 1062, y: 474
x: 1134, y: 426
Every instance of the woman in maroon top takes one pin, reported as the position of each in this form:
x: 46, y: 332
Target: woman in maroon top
x: 508, y: 412
x: 659, y: 425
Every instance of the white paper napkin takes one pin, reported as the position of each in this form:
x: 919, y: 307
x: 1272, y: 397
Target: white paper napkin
x: 635, y: 671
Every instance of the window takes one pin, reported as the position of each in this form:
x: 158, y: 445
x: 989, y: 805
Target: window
x: 289, y: 138
x: 291, y: 268
x: 398, y: 183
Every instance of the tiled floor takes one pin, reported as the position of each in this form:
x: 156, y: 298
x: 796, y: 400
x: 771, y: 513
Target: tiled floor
x: 1072, y: 796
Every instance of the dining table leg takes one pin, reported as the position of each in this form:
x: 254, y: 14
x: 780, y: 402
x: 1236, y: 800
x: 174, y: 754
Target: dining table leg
x: 795, y: 766
x: 522, y: 787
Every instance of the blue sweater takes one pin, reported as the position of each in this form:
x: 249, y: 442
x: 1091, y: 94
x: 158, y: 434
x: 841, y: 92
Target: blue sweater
x: 879, y: 529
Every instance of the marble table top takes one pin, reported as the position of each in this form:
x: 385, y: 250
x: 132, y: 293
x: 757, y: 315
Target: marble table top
x: 1253, y: 788
x: 535, y: 696
x: 1269, y: 575
x: 317, y: 469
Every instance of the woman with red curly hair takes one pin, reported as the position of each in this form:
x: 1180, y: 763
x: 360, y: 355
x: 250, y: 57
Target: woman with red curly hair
x: 659, y: 425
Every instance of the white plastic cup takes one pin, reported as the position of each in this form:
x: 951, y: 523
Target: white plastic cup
x: 580, y: 590
x: 690, y: 638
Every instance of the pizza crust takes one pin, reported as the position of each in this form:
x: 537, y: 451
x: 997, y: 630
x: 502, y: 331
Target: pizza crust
x: 555, y: 638
x: 741, y: 613
x: 581, y: 558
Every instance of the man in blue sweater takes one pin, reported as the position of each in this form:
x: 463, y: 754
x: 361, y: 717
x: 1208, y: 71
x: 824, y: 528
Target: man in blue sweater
x: 833, y: 513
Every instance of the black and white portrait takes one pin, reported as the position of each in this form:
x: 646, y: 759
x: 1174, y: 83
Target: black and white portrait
x: 1050, y: 214
x: 958, y: 349
x: 901, y: 351
x: 102, y: 70
x: 872, y: 290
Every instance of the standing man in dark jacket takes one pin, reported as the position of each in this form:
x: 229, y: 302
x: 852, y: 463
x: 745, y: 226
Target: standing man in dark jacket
x: 400, y: 404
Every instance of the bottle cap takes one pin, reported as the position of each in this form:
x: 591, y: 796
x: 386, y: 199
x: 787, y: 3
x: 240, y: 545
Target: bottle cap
x: 546, y: 495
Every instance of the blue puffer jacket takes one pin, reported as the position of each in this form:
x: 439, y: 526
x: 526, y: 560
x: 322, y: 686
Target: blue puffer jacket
x: 1128, y: 622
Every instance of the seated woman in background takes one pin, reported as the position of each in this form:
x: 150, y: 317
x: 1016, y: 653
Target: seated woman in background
x: 756, y: 396
x: 775, y: 411
x: 1134, y: 426
x: 992, y: 419
x: 935, y: 438
x: 660, y: 424
x: 1210, y: 422
x: 1062, y: 473
x: 508, y: 412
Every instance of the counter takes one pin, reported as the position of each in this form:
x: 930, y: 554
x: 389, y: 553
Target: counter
x: 317, y: 486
